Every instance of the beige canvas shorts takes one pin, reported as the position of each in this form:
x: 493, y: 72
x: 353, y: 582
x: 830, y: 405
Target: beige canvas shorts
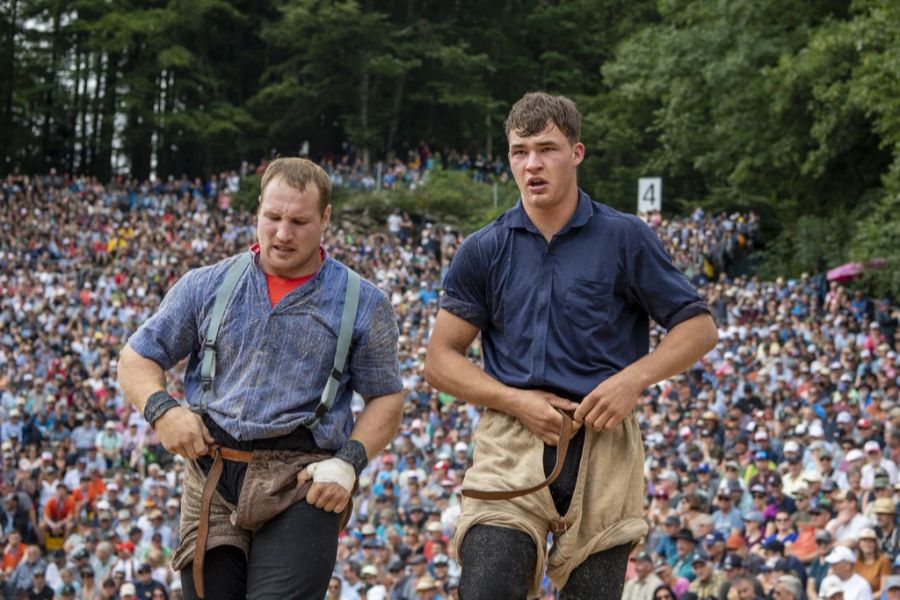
x: 606, y: 509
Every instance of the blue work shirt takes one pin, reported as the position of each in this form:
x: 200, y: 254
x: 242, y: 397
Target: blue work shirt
x: 272, y: 362
x: 572, y: 312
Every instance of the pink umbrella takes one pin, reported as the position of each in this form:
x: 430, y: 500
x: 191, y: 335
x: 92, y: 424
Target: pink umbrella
x: 845, y: 272
x: 850, y: 271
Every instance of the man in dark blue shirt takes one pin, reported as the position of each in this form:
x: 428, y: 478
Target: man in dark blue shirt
x: 562, y: 290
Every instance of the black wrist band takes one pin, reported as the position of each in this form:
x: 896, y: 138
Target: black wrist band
x: 158, y: 404
x: 355, y: 454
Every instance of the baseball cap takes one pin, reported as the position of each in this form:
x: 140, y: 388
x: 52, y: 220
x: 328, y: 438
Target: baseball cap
x: 699, y: 557
x: 396, y: 566
x: 823, y: 537
x: 714, y: 538
x: 892, y: 582
x: 755, y: 516
x: 685, y: 534
x: 831, y: 585
x: 872, y: 446
x: 127, y: 589
x: 369, y: 570
x: 643, y: 556
x: 841, y: 554
x: 732, y: 561
x: 855, y: 454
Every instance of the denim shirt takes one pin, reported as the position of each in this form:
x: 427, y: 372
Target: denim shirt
x: 272, y: 362
x: 572, y: 312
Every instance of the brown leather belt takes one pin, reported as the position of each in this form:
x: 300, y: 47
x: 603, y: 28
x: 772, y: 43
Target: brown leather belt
x: 218, y: 453
x: 564, y: 434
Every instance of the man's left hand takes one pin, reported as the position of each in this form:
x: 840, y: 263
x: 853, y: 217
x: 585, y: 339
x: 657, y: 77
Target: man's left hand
x: 333, y: 480
x: 608, y: 403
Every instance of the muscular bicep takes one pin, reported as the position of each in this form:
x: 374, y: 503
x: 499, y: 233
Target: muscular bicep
x: 451, y: 333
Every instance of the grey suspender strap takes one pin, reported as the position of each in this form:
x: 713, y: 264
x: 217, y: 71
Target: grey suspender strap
x: 208, y: 363
x: 351, y: 303
x: 348, y: 317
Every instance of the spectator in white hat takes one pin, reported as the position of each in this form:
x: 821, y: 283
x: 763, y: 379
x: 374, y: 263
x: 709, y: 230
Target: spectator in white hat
x: 892, y: 587
x: 871, y: 563
x: 831, y: 588
x: 843, y: 564
x: 875, y: 460
x: 793, y: 480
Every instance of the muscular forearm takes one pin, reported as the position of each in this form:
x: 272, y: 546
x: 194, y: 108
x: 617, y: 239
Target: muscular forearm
x: 139, y: 377
x: 683, y: 345
x: 448, y: 370
x: 378, y: 423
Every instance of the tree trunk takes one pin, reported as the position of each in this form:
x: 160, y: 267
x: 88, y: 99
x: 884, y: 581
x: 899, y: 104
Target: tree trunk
x: 396, y: 105
x: 7, y: 122
x: 74, y: 109
x: 48, y: 145
x: 364, y: 119
x: 104, y: 146
x: 96, y: 104
x: 82, y: 114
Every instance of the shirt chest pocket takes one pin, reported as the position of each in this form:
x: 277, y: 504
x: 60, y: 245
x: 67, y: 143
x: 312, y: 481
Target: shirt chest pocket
x: 588, y: 303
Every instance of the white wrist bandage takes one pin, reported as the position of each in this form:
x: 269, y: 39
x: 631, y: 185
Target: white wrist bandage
x: 333, y: 470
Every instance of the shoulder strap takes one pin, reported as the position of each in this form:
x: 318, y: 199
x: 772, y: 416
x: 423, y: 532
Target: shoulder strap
x: 208, y: 363
x: 348, y: 317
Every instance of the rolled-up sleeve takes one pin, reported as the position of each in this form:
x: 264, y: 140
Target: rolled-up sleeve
x: 172, y: 333
x: 657, y: 284
x: 464, y: 286
x: 374, y: 365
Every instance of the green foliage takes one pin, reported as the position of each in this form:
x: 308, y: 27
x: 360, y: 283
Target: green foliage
x: 786, y: 107
x: 450, y: 197
x: 247, y: 196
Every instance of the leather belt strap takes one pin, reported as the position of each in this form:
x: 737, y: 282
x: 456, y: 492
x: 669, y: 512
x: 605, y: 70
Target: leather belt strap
x: 212, y: 480
x: 564, y: 434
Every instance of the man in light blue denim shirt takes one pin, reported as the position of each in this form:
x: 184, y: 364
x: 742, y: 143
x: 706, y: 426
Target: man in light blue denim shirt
x: 274, y: 353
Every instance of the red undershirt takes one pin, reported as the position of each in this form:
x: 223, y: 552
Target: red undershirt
x: 279, y: 287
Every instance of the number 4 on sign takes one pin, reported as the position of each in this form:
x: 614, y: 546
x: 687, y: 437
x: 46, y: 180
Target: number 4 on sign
x: 649, y: 194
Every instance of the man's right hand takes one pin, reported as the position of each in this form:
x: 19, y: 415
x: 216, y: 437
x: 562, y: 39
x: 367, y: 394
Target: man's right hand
x: 182, y: 431
x: 537, y: 411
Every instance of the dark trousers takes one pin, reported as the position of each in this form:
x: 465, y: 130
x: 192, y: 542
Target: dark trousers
x: 291, y: 557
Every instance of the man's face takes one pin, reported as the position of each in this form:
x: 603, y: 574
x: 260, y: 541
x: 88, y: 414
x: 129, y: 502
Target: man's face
x: 334, y: 588
x: 290, y: 227
x: 893, y: 594
x: 745, y: 590
x: 544, y: 166
x: 843, y: 569
x: 701, y: 570
x: 643, y: 568
x: 782, y: 593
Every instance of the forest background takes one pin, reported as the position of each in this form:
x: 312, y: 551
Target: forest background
x: 788, y: 108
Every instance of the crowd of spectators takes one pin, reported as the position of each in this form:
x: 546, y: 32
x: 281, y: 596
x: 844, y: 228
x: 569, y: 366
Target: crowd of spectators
x: 408, y: 169
x: 771, y: 465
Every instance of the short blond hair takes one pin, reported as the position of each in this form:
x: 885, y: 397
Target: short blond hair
x: 298, y: 173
